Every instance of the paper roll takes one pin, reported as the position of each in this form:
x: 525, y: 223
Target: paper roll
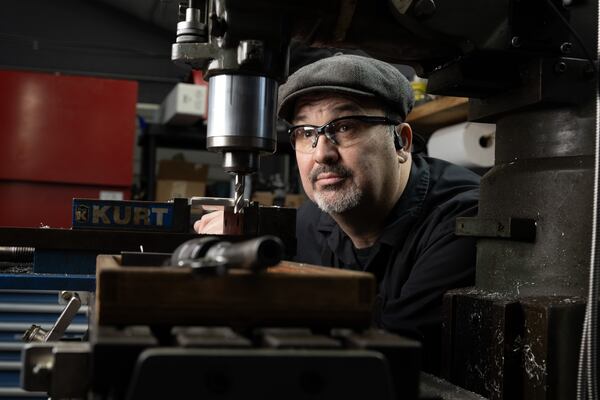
x: 469, y: 144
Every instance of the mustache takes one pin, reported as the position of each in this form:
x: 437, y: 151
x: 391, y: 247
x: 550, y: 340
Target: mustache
x: 334, y: 169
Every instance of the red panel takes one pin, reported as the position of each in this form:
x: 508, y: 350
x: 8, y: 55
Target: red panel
x: 35, y: 204
x: 67, y: 129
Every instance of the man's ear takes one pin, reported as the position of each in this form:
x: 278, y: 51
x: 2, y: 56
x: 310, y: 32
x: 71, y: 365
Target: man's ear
x: 403, y: 137
x: 397, y: 141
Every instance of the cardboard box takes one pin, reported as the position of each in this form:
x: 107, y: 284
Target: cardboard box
x: 186, y: 104
x: 263, y: 198
x: 294, y: 200
x: 178, y: 178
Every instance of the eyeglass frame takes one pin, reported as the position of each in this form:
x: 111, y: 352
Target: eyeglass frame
x: 321, y: 130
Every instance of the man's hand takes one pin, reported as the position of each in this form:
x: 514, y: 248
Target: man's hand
x: 211, y: 222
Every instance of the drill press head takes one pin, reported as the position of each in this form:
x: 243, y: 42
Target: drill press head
x: 241, y: 119
x: 244, y: 54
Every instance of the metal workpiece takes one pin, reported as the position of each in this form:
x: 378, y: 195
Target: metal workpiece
x: 36, y: 334
x: 211, y: 254
x: 16, y: 254
x: 253, y: 254
x: 198, y: 201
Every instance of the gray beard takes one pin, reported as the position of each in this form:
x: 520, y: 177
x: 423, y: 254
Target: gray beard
x: 336, y: 198
x: 337, y: 201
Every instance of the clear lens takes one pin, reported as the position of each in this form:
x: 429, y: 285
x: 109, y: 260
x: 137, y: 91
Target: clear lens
x: 302, y: 138
x: 343, y: 132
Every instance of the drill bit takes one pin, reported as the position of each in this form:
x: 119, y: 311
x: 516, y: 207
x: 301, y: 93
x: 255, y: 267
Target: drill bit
x: 238, y: 201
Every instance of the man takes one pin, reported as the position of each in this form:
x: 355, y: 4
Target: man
x: 375, y: 206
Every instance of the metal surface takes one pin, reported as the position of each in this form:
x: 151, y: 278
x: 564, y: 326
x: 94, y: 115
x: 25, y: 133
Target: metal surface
x: 136, y: 258
x: 211, y: 254
x: 241, y: 119
x: 295, y: 338
x: 520, y: 229
x: 213, y: 337
x: 210, y: 201
x: 16, y: 254
x: 543, y: 172
x: 60, y: 369
x: 191, y: 29
x: 37, y: 334
x: 43, y: 112
x: 530, y: 344
x: 260, y: 373
x: 95, y: 240
x: 68, y: 262
x: 47, y: 282
x: 434, y: 388
x: 126, y: 370
x: 238, y: 200
x: 403, y: 354
x: 258, y: 220
x: 242, y: 61
x: 62, y: 121
x: 37, y: 362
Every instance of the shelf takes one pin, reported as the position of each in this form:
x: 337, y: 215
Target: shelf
x: 428, y: 117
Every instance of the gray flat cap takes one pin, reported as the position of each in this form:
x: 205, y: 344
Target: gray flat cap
x: 349, y: 74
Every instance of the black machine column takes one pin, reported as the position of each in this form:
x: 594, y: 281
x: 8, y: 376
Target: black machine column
x: 543, y: 175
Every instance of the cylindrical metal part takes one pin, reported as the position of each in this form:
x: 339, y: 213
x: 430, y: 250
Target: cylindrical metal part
x: 34, y: 334
x: 192, y: 28
x: 240, y: 162
x: 543, y: 172
x: 16, y: 254
x: 255, y: 254
x: 242, y: 119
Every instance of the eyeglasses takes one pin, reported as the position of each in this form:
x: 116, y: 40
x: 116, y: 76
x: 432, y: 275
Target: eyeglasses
x: 343, y: 132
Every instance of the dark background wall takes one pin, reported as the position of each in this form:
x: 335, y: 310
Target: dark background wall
x: 122, y: 39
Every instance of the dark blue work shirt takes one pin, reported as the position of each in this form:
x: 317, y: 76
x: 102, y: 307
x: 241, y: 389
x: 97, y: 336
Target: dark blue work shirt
x: 416, y: 259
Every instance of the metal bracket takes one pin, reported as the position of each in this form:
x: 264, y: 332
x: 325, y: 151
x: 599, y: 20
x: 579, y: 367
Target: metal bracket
x: 36, y: 334
x: 60, y: 369
x: 519, y: 229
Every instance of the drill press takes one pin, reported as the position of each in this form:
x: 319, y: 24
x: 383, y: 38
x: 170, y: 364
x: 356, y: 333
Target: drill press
x: 243, y: 61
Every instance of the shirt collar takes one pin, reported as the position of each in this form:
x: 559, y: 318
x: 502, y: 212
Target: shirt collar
x: 410, y: 205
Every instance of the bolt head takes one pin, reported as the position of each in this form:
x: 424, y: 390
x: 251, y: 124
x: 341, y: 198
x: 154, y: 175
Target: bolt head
x: 560, y: 67
x: 566, y: 47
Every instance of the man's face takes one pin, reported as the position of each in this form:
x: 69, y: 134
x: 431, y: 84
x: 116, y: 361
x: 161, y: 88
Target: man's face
x: 341, y: 179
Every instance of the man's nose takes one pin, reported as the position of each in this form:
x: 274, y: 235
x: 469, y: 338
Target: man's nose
x: 326, y: 152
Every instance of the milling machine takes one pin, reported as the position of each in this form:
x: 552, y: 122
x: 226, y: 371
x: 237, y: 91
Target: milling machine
x: 530, y: 66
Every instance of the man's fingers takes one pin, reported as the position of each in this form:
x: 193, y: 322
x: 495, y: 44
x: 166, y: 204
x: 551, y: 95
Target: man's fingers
x: 211, y: 223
